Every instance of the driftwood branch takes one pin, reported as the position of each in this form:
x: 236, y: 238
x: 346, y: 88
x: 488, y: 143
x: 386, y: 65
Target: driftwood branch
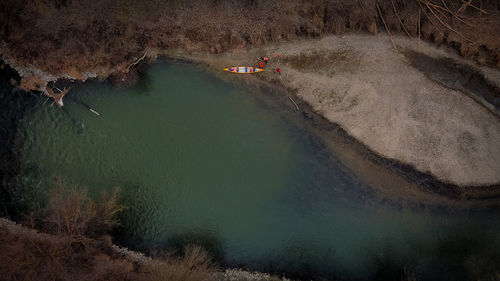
x: 445, y: 24
x: 137, y: 61
x: 468, y: 3
x: 95, y: 112
x: 58, y: 96
x: 296, y: 106
x: 441, y: 13
x: 429, y: 18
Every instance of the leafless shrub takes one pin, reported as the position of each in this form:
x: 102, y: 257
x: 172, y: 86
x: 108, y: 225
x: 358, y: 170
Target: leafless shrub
x: 28, y: 255
x: 70, y: 211
x: 194, y: 265
x: 71, y: 251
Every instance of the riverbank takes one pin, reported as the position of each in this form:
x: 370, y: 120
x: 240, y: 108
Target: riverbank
x: 34, y: 255
x: 416, y: 127
x: 82, y: 40
x: 317, y: 199
x: 405, y: 116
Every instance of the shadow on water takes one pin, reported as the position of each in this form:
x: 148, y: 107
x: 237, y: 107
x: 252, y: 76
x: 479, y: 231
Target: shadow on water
x: 79, y: 126
x: 466, y: 255
x: 13, y: 106
x: 457, y: 254
x: 152, y: 241
x: 144, y: 82
x: 388, y: 267
x: 206, y: 239
x: 305, y: 261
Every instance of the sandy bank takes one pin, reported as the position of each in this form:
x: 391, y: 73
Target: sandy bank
x: 395, y: 108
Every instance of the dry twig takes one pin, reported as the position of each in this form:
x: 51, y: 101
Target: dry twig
x: 429, y: 18
x: 469, y: 4
x: 296, y: 106
x: 433, y: 8
x: 137, y: 61
x: 401, y: 22
x: 386, y: 28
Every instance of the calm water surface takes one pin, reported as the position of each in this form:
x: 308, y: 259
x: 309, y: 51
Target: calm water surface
x: 200, y: 160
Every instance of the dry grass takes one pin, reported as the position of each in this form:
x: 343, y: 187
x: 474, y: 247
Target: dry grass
x: 78, y: 248
x: 467, y: 26
x: 77, y: 37
x: 28, y: 255
x: 82, y: 35
x: 194, y: 265
x: 69, y: 252
x: 325, y: 62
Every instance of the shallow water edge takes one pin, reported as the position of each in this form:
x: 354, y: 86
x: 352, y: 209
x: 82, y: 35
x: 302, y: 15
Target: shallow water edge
x: 415, y: 187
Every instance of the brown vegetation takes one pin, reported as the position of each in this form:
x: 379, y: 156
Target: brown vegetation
x: 75, y: 245
x: 29, y: 255
x: 32, y: 256
x: 105, y: 37
x: 472, y: 27
x: 194, y: 265
x: 32, y: 83
x: 331, y: 60
x: 71, y: 212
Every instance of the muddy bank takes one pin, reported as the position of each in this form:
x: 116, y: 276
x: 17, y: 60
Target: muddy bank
x: 377, y: 96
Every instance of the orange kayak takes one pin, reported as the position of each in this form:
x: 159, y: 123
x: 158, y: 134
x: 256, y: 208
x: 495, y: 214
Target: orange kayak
x: 243, y: 69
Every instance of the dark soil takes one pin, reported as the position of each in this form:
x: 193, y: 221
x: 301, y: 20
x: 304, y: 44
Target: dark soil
x: 459, y: 77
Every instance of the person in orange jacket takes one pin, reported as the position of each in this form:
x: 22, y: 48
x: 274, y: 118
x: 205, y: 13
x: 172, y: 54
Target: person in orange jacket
x: 264, y: 59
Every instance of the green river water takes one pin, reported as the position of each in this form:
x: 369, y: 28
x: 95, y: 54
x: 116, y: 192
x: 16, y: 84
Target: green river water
x: 200, y: 160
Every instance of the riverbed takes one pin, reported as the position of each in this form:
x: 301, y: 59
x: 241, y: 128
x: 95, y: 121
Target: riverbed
x: 201, y: 160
